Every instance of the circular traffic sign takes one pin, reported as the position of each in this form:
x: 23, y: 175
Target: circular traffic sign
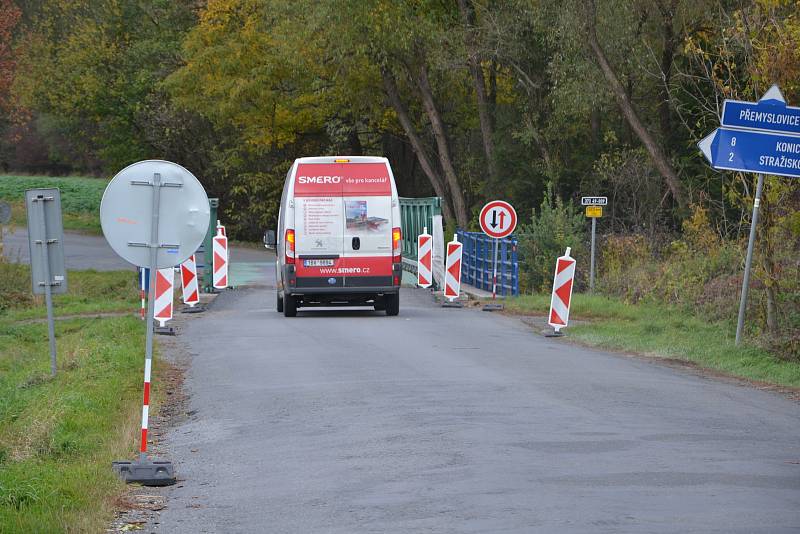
x: 126, y: 213
x: 498, y: 219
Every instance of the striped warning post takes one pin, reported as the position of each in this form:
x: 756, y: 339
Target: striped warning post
x: 424, y: 258
x: 220, y: 256
x: 165, y: 280
x: 452, y: 269
x: 562, y: 291
x: 146, y: 404
x: 191, y: 294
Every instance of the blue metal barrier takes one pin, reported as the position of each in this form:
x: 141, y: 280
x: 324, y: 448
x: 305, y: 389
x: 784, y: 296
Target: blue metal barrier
x: 478, y: 261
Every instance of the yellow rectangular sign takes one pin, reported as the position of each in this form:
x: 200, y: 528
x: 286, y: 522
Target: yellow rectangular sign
x: 594, y: 211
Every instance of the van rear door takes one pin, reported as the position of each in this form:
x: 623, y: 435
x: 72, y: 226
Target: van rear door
x: 319, y: 223
x: 367, y: 243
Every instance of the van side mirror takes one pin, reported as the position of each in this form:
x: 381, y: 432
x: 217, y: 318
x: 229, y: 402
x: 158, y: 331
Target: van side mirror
x: 269, y: 239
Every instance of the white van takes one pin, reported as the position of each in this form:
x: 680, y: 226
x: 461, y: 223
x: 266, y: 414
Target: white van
x: 338, y: 239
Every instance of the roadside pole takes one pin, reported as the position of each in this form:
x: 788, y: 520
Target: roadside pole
x: 591, y: 263
x: 46, y: 242
x: 748, y: 262
x: 594, y: 210
x: 494, y: 271
x: 154, y: 245
x: 48, y: 293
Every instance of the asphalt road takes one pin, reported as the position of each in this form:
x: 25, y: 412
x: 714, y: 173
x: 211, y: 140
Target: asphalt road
x: 83, y: 251
x: 447, y: 420
x: 80, y: 251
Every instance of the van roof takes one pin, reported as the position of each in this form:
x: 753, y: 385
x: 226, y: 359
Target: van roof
x: 352, y: 159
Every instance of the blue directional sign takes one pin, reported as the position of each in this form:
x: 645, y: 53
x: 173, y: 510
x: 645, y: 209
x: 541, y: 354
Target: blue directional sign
x: 768, y: 114
x: 749, y: 151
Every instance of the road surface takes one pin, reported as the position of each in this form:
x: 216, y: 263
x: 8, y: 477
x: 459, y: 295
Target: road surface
x: 83, y: 251
x: 448, y: 420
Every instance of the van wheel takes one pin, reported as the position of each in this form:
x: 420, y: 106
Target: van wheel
x: 380, y: 304
x: 392, y: 303
x: 289, y: 306
x: 280, y: 301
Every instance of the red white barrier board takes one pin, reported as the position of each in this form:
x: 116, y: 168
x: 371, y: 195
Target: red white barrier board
x: 424, y: 259
x: 165, y: 280
x: 562, y: 291
x: 220, y: 263
x: 452, y: 274
x: 191, y: 293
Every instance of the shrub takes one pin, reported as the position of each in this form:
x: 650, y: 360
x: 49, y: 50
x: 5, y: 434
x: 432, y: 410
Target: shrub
x: 557, y: 226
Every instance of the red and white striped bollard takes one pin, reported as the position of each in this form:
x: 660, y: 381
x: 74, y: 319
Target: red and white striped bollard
x: 562, y: 292
x: 424, y: 258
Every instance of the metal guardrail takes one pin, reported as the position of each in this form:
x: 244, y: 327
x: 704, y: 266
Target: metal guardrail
x: 415, y: 214
x: 477, y: 262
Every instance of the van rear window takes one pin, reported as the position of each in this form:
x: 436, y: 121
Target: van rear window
x: 342, y: 179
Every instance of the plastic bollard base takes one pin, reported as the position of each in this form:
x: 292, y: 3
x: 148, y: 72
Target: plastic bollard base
x: 164, y: 330
x: 145, y: 472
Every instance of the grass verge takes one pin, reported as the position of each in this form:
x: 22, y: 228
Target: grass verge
x: 58, y: 436
x: 665, y: 332
x: 80, y: 199
x: 88, y: 292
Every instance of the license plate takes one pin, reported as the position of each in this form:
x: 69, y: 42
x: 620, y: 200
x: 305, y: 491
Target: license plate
x: 317, y: 263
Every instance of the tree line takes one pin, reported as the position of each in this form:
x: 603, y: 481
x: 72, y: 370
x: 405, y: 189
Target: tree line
x: 470, y: 98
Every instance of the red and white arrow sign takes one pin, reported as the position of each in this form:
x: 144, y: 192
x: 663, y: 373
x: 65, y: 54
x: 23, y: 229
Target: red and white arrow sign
x: 562, y: 291
x: 220, y: 260
x: 191, y: 295
x: 424, y: 259
x: 452, y: 273
x: 498, y: 219
x: 165, y: 280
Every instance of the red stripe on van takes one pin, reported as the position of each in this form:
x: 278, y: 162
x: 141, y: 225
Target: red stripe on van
x: 351, y: 266
x: 342, y: 179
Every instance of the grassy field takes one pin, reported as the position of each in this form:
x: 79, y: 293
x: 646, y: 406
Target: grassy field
x: 663, y: 332
x: 80, y: 199
x: 59, y: 436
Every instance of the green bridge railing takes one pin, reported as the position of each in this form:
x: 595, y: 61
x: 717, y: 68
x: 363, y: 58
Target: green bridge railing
x: 415, y: 214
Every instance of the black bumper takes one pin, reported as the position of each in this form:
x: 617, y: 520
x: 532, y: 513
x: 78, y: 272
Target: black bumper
x: 341, y: 285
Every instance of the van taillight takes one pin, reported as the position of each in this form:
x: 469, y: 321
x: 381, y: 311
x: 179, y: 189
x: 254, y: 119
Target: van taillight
x: 397, y: 250
x: 289, y: 246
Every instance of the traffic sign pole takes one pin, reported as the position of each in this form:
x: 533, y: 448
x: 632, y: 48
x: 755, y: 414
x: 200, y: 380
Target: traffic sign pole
x: 494, y: 272
x: 48, y: 292
x: 594, y: 209
x: 151, y: 306
x: 749, y: 260
x: 591, y: 261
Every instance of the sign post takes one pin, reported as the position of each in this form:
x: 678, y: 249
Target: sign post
x: 761, y: 137
x: 138, y: 229
x: 498, y: 220
x: 46, y: 242
x: 594, y: 210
